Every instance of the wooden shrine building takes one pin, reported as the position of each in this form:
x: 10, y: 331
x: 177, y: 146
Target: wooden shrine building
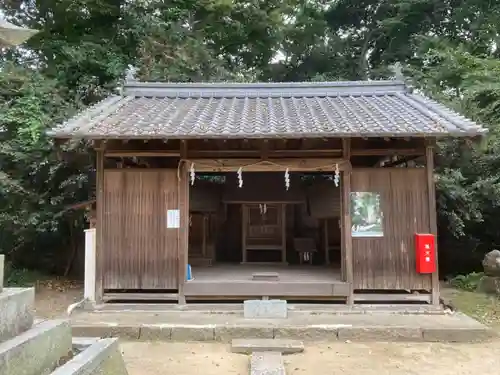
x: 303, y: 191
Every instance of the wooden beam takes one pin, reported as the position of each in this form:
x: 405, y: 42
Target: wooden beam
x: 388, y: 152
x: 258, y: 153
x: 274, y: 165
x: 400, y: 161
x: 346, y: 222
x: 429, y: 158
x: 99, y: 222
x: 139, y: 153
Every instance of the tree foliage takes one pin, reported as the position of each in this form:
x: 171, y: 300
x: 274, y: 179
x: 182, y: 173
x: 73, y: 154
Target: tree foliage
x: 449, y: 50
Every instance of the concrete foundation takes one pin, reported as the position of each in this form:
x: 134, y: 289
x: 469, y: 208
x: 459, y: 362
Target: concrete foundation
x: 37, y: 351
x: 16, y: 311
x: 102, y: 357
x: 193, y: 326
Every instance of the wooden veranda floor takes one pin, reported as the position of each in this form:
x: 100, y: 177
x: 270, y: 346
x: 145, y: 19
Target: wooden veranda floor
x: 235, y: 280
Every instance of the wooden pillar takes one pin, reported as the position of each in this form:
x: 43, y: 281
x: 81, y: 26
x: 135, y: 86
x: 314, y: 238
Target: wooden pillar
x: 326, y: 245
x: 99, y: 222
x: 283, y: 233
x: 431, y: 193
x: 244, y: 228
x: 346, y: 221
x: 204, y: 230
x: 183, y: 231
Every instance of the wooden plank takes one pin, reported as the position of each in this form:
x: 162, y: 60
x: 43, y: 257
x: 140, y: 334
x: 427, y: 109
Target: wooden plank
x: 431, y: 193
x: 267, y: 288
x: 276, y: 165
x: 140, y: 297
x: 389, y: 297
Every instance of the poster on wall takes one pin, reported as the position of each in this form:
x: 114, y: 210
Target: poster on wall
x: 366, y: 215
x: 173, y: 219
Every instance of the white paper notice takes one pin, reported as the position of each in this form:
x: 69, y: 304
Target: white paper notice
x: 173, y: 219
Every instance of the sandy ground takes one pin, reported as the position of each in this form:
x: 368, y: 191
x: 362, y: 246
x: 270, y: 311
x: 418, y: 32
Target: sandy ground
x: 53, y: 298
x: 155, y: 358
x: 341, y: 358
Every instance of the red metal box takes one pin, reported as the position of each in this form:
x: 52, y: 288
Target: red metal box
x: 425, y: 250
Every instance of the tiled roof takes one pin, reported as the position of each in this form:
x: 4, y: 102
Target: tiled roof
x: 266, y: 110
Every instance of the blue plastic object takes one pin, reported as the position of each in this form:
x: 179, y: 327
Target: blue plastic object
x: 189, y: 276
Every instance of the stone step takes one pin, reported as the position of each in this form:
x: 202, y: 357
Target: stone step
x: 16, y: 311
x: 266, y: 363
x: 172, y: 326
x: 38, y: 350
x: 248, y: 346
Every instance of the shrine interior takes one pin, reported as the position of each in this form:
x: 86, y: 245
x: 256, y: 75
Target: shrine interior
x: 265, y: 220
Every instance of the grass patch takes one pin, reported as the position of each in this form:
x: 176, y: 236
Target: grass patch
x: 467, y: 282
x: 479, y: 306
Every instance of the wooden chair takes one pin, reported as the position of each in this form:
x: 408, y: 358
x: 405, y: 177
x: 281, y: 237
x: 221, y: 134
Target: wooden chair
x: 306, y: 247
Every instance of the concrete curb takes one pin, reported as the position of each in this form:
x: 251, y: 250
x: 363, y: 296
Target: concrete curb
x: 16, y: 311
x: 38, y: 350
x: 101, y: 357
x: 226, y: 333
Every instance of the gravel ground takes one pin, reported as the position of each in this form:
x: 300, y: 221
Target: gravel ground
x: 341, y: 358
x: 155, y: 358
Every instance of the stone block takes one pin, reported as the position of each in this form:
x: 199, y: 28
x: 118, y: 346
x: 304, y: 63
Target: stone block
x: 101, y: 358
x: 452, y: 334
x: 265, y: 276
x: 193, y: 333
x: 267, y: 363
x: 390, y: 334
x: 307, y: 333
x: 80, y: 343
x: 16, y: 311
x: 2, y: 265
x: 106, y: 331
x: 248, y: 346
x: 266, y: 309
x: 156, y: 332
x: 226, y: 333
x: 37, y: 351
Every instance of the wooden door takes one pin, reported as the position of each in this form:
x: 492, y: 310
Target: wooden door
x: 140, y: 251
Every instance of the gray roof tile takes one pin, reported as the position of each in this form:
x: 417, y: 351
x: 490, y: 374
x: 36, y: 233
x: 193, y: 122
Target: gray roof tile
x: 325, y: 109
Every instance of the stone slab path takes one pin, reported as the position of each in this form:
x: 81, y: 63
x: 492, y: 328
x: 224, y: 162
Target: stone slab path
x: 267, y: 363
x: 247, y: 346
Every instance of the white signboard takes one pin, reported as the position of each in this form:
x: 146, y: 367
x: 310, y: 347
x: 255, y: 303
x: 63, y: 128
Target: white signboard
x: 173, y: 219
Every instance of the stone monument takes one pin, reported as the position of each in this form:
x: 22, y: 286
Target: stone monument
x: 490, y: 282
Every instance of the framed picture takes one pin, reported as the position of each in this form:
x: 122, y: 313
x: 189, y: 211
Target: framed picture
x: 366, y: 215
